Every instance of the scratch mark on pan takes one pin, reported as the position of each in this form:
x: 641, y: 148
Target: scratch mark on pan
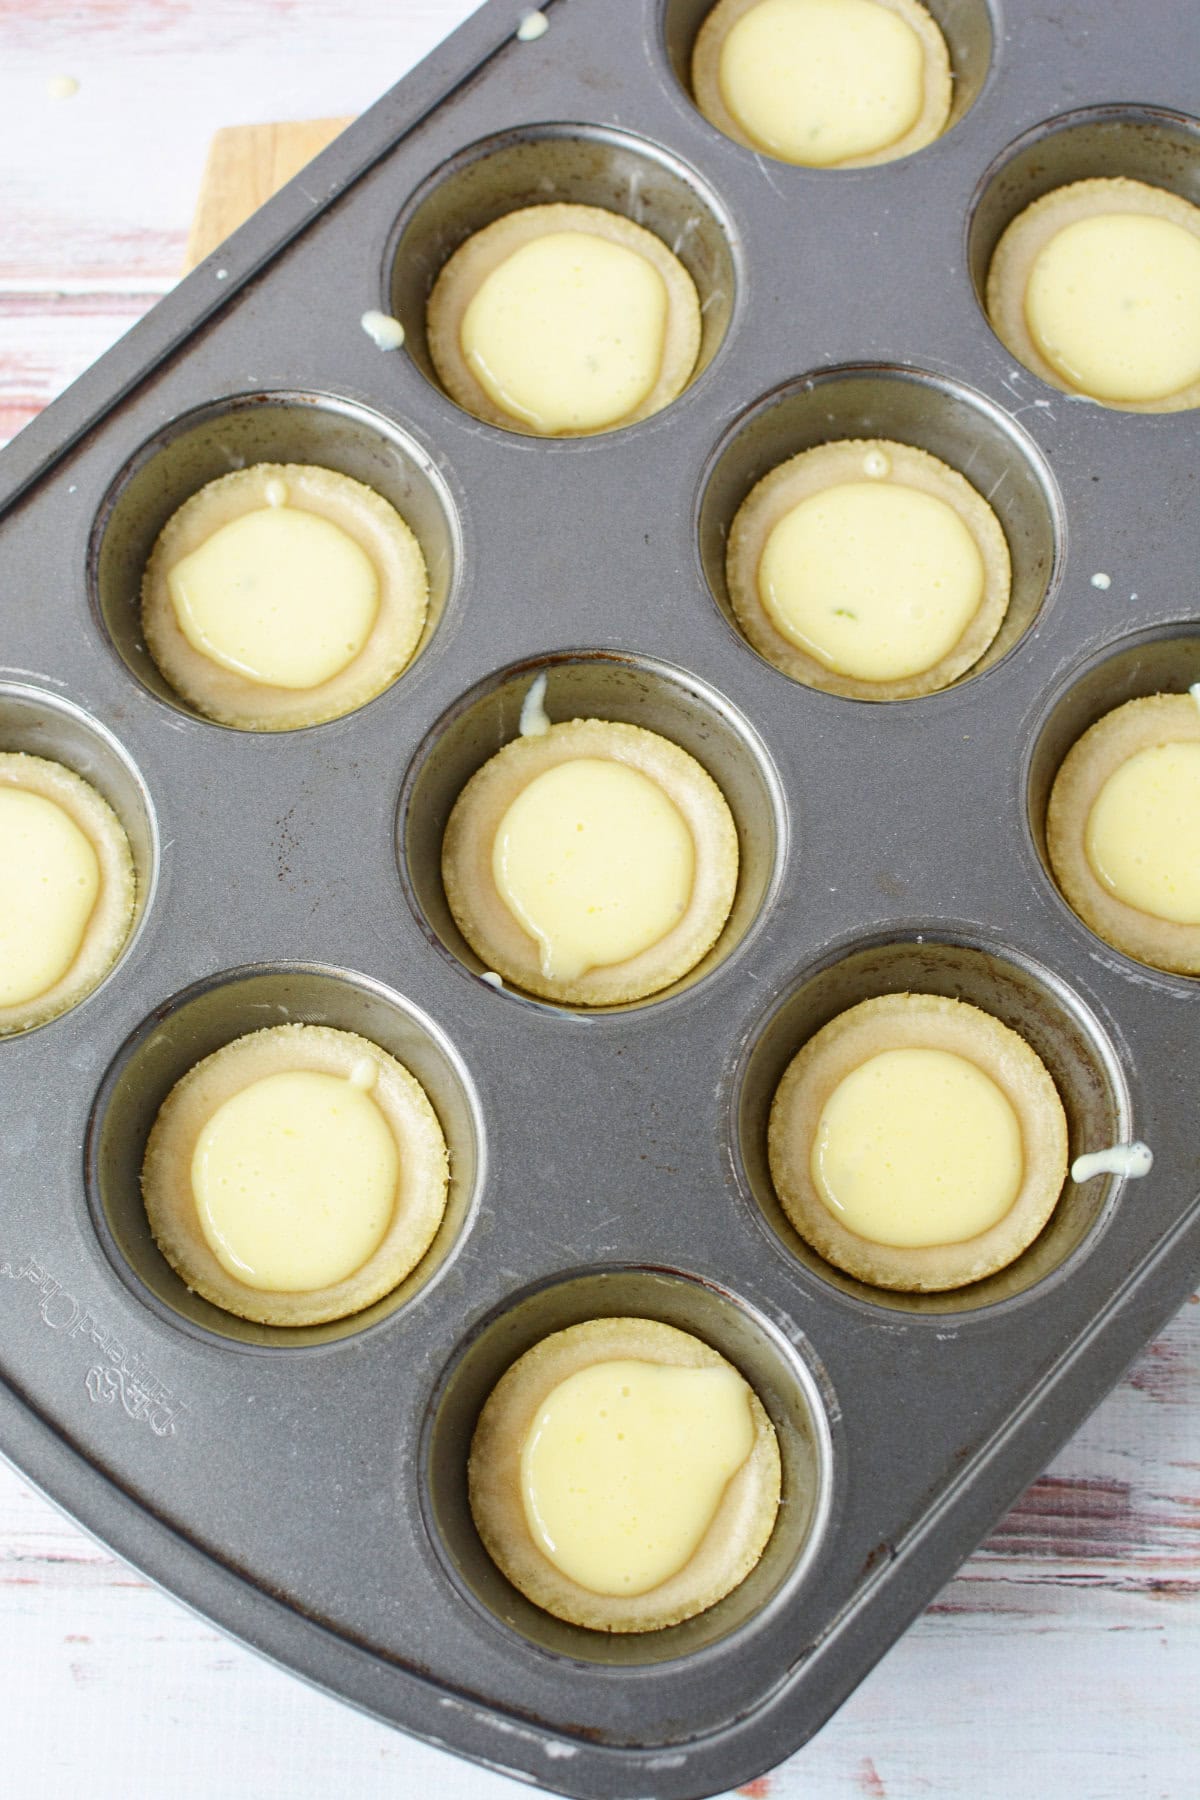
x: 509, y: 1728
x: 767, y: 176
x: 1114, y: 967
x: 499, y: 1768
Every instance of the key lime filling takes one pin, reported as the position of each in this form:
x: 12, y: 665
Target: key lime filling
x: 1142, y: 836
x: 595, y: 862
x: 49, y: 883
x: 876, y: 580
x: 295, y: 1180
x: 567, y: 334
x: 625, y: 1465
x: 279, y: 595
x: 1113, y: 304
x: 820, y: 81
x: 918, y: 1147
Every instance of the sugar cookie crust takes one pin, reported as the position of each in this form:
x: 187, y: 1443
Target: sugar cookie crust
x: 112, y: 915
x: 191, y: 1103
x: 494, y: 933
x: 230, y: 698
x: 827, y: 466
x: 465, y: 272
x: 1093, y: 758
x: 937, y: 91
x: 1027, y: 236
x: 917, y: 1021
x: 736, y: 1537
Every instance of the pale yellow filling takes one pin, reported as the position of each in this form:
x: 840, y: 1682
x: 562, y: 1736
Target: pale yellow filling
x: 820, y: 81
x: 1113, y: 304
x: 49, y: 880
x: 595, y: 862
x: 625, y: 1465
x: 916, y: 1148
x: 294, y: 1180
x: 1143, y: 832
x: 568, y: 333
x: 279, y: 595
x: 876, y: 580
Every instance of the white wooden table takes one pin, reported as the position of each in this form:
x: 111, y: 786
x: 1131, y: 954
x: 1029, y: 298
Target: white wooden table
x: 1064, y: 1660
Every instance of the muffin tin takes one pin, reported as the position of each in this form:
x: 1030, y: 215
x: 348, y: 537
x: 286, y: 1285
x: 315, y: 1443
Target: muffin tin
x: 307, y: 1490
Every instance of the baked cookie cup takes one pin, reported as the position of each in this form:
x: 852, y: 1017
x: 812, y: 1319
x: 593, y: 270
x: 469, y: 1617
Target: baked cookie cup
x: 1122, y: 313
x: 895, y: 470
x: 402, y: 1110
x: 492, y: 252
x: 731, y: 1542
x: 67, y: 890
x: 1106, y: 749
x: 384, y: 633
x: 820, y: 85
x: 492, y: 928
x: 1011, y: 1079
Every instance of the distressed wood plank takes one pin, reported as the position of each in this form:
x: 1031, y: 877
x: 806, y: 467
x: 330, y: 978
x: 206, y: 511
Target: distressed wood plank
x: 103, y: 184
x: 47, y: 339
x: 1064, y: 1660
x: 246, y: 165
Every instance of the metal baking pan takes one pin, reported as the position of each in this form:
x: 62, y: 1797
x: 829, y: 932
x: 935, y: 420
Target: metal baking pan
x: 308, y: 1492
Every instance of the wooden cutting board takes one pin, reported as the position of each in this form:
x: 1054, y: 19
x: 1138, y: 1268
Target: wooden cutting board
x: 246, y: 165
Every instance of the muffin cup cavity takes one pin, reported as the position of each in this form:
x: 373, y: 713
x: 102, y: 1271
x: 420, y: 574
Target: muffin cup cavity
x: 1051, y: 1019
x: 235, y: 434
x: 966, y: 26
x: 190, y: 1026
x: 603, y: 685
x: 780, y: 1377
x: 933, y: 413
x: 39, y: 723
x: 1144, y: 143
x: 585, y: 165
x: 1161, y: 661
